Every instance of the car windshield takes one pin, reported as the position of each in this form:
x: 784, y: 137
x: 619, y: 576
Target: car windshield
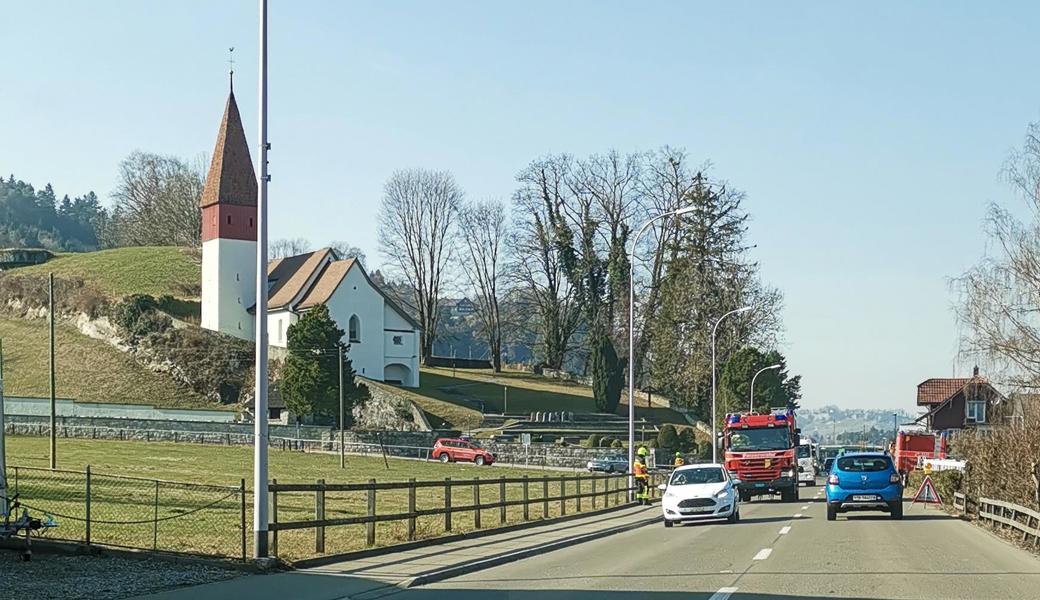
x: 746, y: 440
x: 697, y: 476
x: 804, y: 451
x: 863, y: 463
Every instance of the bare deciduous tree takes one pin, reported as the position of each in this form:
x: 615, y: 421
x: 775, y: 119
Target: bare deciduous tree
x: 347, y: 250
x: 416, y: 219
x: 483, y: 228
x: 1000, y: 296
x: 157, y: 201
x: 284, y: 247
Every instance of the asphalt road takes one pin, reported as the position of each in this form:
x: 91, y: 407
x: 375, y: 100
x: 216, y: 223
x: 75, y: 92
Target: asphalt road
x: 777, y: 552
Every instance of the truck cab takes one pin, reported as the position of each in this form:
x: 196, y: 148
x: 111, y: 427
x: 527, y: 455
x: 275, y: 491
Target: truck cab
x: 806, y: 453
x: 760, y: 451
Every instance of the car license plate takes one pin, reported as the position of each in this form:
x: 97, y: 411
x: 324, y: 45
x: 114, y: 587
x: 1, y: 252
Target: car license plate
x: 863, y: 498
x: 699, y: 509
x: 759, y: 485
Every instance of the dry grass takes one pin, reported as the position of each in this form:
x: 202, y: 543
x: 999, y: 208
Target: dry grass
x: 158, y: 270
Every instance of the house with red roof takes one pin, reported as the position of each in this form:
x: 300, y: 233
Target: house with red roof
x: 955, y: 403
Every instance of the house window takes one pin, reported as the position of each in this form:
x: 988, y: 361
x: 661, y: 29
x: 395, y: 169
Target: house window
x: 279, y: 329
x: 354, y: 330
x: 976, y: 412
x: 398, y: 340
x: 229, y: 219
x: 250, y: 221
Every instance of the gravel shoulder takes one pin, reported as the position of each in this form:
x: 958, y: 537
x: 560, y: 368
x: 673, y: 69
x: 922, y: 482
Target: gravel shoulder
x: 82, y: 577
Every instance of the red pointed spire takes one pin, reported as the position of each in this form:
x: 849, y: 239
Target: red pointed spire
x: 231, y: 179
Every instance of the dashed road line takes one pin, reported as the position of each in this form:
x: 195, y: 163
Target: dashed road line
x: 785, y: 530
x: 806, y: 507
x: 763, y: 554
x: 798, y: 515
x: 723, y: 593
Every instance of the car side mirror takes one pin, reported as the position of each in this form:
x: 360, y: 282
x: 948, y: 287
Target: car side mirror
x: 736, y: 482
x: 663, y: 487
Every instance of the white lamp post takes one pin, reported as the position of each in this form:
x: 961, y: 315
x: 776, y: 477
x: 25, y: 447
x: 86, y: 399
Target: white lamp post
x: 714, y: 425
x: 632, y: 337
x: 751, y: 403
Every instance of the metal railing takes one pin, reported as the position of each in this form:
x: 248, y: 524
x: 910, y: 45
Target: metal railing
x: 133, y: 512
x: 1006, y: 515
x: 426, y: 508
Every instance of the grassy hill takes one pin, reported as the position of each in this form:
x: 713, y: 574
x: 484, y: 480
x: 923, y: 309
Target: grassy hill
x: 87, y: 369
x: 159, y: 270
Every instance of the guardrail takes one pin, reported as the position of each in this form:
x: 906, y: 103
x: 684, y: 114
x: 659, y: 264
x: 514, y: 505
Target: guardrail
x: 1007, y: 515
x: 321, y: 505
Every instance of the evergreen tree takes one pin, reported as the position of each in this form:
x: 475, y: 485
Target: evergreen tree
x: 310, y: 378
x: 774, y: 388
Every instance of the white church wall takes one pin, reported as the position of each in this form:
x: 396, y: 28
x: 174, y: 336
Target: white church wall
x: 355, y: 296
x: 228, y: 286
x: 278, y: 327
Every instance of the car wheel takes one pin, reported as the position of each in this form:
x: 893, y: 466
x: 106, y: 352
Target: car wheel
x: 733, y: 518
x: 789, y: 495
x: 479, y: 461
x: 832, y: 513
x: 745, y: 496
x: 668, y: 523
x: 444, y: 458
x: 896, y: 510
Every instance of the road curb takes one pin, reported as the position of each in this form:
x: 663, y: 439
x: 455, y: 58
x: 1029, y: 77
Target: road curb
x: 501, y: 559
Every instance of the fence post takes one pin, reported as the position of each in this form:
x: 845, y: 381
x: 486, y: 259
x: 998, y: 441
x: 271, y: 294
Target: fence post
x: 155, y: 519
x: 372, y: 512
x: 476, y: 502
x: 88, y: 507
x: 527, y: 508
x: 545, y: 496
x: 447, y: 504
x: 274, y: 518
x: 577, y: 493
x: 563, y: 495
x: 242, y: 513
x: 594, y: 491
x: 319, y: 515
x: 502, y: 500
x: 411, y: 509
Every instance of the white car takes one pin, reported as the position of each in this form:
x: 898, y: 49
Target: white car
x: 698, y: 492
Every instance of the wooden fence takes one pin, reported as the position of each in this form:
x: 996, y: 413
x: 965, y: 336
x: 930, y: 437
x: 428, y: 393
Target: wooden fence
x: 1011, y: 516
x: 536, y: 497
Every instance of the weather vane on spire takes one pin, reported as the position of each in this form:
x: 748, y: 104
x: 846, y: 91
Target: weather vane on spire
x: 231, y: 66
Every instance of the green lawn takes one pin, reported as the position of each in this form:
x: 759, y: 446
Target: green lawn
x: 527, y: 393
x: 216, y: 529
x: 88, y: 370
x: 158, y: 270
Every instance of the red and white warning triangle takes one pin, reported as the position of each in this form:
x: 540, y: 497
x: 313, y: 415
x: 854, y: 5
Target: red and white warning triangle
x: 926, y: 494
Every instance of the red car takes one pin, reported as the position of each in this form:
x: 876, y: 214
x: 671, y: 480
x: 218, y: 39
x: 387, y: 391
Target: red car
x: 456, y: 450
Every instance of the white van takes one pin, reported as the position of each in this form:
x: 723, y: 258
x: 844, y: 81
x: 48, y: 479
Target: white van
x: 806, y: 468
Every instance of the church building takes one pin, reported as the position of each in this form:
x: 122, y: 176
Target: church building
x: 383, y: 339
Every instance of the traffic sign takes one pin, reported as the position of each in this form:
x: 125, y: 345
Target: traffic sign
x: 927, y: 494
x: 525, y: 439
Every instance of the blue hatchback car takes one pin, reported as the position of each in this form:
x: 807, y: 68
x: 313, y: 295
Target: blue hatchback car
x: 864, y: 481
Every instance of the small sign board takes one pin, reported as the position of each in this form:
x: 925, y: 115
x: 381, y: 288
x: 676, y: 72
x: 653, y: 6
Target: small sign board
x: 525, y: 439
x: 926, y: 494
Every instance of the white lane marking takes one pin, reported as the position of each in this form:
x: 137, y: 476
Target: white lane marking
x: 806, y: 507
x: 784, y: 530
x: 763, y: 554
x: 723, y: 593
x: 726, y: 571
x: 798, y: 515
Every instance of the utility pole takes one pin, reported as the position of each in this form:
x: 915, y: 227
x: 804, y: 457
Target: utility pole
x: 3, y: 448
x: 342, y: 452
x: 54, y: 402
x: 505, y: 399
x: 260, y: 500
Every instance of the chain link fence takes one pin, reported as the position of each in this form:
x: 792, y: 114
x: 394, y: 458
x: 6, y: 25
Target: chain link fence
x: 133, y: 512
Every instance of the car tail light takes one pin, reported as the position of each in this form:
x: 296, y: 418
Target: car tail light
x: 832, y: 480
x: 895, y: 478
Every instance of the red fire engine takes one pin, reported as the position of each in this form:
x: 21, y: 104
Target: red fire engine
x: 913, y: 447
x: 761, y: 452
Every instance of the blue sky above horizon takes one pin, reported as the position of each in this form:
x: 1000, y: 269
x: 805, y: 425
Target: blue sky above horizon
x: 868, y: 137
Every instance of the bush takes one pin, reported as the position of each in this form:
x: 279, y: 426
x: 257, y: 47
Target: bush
x: 1001, y: 460
x: 617, y: 444
x: 687, y: 441
x: 592, y: 441
x: 946, y: 483
x: 668, y: 437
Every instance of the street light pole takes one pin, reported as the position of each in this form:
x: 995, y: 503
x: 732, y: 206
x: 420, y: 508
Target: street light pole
x: 714, y: 433
x: 260, y: 520
x: 632, y: 338
x: 751, y: 404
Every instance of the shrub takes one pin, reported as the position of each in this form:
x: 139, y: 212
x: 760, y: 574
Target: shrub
x: 687, y: 441
x: 668, y: 437
x: 617, y: 444
x: 592, y: 441
x: 946, y: 483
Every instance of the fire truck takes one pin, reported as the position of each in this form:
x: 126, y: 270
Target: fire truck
x: 760, y: 451
x: 915, y: 447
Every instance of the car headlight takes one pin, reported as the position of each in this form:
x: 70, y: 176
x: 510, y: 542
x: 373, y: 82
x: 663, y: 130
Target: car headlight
x: 722, y: 493
x: 669, y: 495
x: 789, y: 473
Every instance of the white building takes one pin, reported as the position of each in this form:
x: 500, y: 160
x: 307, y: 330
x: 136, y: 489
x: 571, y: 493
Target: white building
x: 383, y: 339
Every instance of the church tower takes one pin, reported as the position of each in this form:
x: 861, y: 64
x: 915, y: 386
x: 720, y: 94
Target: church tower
x: 229, y: 231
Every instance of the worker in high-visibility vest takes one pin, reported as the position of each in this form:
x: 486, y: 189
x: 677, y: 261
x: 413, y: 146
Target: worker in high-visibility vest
x: 679, y: 459
x: 641, y: 474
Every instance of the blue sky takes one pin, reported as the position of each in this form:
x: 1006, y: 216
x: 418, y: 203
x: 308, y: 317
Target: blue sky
x: 868, y: 137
